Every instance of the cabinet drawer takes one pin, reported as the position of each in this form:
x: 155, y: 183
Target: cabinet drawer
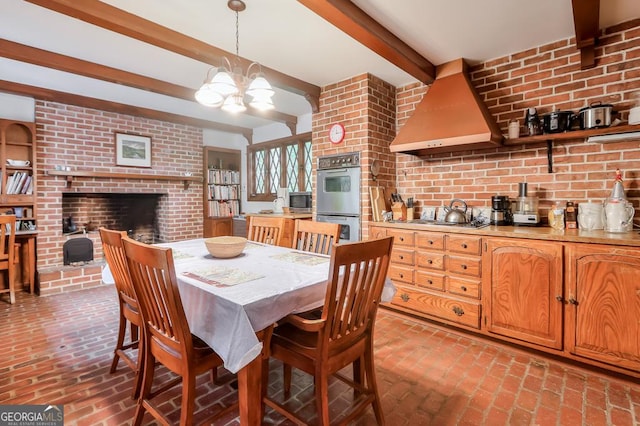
x: 401, y: 238
x: 404, y: 256
x: 400, y: 273
x: 430, y: 240
x: 462, y: 287
x: 430, y: 280
x: 431, y: 260
x: 471, y: 266
x: 464, y: 244
x: 447, y: 308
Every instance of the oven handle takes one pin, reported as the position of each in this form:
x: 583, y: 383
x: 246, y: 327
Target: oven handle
x: 335, y: 171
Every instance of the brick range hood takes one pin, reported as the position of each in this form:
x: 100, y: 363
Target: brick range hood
x: 450, y: 117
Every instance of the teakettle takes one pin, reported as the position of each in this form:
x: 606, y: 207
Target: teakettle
x: 455, y: 215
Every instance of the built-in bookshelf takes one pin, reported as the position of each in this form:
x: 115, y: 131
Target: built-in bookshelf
x: 18, y: 172
x: 222, y: 190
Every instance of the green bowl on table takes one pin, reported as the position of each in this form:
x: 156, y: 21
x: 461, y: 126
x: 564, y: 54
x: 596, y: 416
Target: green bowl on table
x: 226, y: 246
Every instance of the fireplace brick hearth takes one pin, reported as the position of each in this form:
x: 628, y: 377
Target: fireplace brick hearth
x: 83, y: 139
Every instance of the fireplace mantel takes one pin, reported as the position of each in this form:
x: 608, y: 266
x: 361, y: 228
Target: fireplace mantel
x: 69, y: 175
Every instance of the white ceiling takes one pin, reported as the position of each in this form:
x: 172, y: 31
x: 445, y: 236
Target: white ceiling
x: 286, y: 36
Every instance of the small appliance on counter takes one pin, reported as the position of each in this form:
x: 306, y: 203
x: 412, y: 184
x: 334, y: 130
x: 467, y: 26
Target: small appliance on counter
x: 526, y: 209
x: 500, y: 210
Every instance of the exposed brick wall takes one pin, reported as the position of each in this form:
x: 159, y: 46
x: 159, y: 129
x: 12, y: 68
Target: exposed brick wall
x: 365, y: 105
x: 84, y: 139
x: 541, y: 77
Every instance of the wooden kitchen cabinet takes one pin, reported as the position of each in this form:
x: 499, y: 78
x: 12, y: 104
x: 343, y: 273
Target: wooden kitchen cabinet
x: 603, y: 309
x: 218, y: 226
x: 437, y: 275
x: 522, y: 290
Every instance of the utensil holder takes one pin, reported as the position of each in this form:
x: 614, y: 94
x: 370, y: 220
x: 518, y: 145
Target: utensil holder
x: 399, y: 210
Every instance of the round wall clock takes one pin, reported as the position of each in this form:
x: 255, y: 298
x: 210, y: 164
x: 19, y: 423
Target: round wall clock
x: 336, y: 133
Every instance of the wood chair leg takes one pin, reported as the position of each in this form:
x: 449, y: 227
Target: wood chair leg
x: 122, y: 326
x: 322, y: 397
x: 286, y: 378
x: 373, y: 384
x: 145, y: 390
x: 188, y: 399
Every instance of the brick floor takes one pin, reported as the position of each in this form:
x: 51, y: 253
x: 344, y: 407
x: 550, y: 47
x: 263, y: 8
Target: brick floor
x: 58, y: 349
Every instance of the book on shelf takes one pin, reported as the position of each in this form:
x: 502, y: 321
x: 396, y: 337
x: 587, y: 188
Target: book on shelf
x: 224, y: 208
x: 222, y: 176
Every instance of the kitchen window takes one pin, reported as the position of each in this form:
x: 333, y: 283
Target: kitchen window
x: 283, y: 163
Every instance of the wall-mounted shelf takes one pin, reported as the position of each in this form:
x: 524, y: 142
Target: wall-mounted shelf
x: 70, y: 174
x: 549, y: 138
x: 572, y: 135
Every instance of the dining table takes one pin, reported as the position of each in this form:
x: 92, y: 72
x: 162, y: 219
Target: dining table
x: 232, y: 303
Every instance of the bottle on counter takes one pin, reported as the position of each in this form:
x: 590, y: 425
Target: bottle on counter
x: 571, y: 217
x: 556, y: 216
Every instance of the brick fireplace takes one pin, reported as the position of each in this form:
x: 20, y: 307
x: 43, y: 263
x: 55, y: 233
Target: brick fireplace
x: 83, y: 139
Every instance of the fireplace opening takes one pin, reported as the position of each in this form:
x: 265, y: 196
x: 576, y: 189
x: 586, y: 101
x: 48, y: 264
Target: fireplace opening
x: 135, y: 213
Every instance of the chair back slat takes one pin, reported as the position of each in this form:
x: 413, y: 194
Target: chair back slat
x: 154, y: 280
x: 315, y: 237
x: 357, y: 274
x: 266, y: 230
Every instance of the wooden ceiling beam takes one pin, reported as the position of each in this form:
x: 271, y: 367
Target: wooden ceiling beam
x: 45, y: 58
x: 120, y: 108
x: 352, y: 20
x: 586, y: 20
x: 113, y: 19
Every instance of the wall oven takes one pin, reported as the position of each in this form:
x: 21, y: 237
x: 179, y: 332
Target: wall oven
x: 338, y: 193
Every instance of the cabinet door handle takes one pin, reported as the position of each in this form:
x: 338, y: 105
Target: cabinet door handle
x: 430, y: 242
x: 401, y: 238
x: 463, y: 267
x: 401, y: 257
x: 404, y: 297
x: 573, y: 301
x: 429, y: 282
x: 458, y: 311
x: 401, y: 275
x: 463, y: 288
x: 464, y: 246
x: 559, y: 298
x: 429, y: 261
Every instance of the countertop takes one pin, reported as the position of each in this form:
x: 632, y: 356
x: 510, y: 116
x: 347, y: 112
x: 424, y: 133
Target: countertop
x: 531, y: 232
x: 285, y: 215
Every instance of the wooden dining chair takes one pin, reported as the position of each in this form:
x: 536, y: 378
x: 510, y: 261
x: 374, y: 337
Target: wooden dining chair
x: 342, y: 335
x: 8, y: 254
x: 128, y: 306
x: 167, y: 337
x: 266, y: 230
x: 315, y: 237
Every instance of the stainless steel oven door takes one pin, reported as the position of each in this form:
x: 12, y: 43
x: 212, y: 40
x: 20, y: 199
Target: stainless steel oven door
x: 338, y: 191
x: 349, y: 226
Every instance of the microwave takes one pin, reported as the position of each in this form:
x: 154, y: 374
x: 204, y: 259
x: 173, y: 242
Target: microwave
x: 300, y: 200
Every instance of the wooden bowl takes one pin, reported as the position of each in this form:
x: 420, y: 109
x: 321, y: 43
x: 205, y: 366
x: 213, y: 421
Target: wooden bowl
x: 225, y: 247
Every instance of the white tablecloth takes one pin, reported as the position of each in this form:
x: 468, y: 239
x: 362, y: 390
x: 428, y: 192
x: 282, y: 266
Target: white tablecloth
x: 279, y: 281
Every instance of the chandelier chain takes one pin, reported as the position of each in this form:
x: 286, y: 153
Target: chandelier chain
x: 237, y: 37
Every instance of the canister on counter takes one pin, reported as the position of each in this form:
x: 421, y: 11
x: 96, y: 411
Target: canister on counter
x: 571, y: 218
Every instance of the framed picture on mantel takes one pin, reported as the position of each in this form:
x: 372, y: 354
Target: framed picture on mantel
x: 133, y: 150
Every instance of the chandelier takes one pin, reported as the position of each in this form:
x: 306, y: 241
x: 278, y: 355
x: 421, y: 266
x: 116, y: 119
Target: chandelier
x: 227, y: 85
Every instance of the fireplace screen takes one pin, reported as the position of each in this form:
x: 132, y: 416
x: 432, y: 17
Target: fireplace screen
x: 77, y: 250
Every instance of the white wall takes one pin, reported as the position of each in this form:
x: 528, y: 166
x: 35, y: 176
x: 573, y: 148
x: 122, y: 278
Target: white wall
x: 14, y: 107
x: 260, y: 134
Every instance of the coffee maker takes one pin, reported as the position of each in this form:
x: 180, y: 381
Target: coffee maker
x: 500, y: 210
x: 526, y: 210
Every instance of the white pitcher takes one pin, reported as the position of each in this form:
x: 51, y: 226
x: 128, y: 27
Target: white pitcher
x: 591, y: 215
x: 618, y: 216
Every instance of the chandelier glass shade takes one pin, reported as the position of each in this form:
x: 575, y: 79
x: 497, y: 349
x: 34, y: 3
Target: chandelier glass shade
x: 227, y: 86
